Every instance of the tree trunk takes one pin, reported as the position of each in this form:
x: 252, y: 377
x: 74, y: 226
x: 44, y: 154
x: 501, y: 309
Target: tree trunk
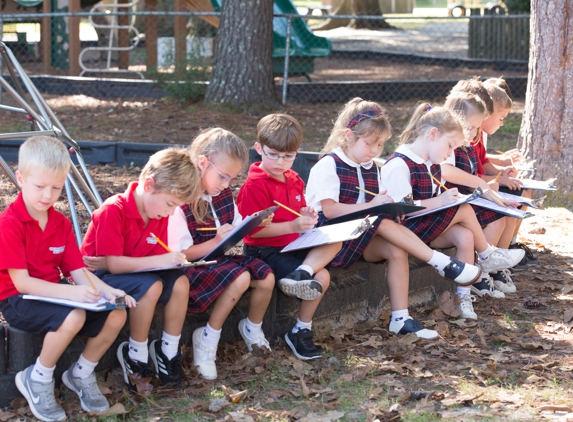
x: 243, y: 70
x: 358, y: 8
x: 547, y: 127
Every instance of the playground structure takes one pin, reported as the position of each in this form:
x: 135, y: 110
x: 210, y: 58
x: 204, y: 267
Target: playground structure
x: 43, y: 121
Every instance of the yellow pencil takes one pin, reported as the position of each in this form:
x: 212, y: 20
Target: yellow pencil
x: 494, y: 196
x: 161, y: 243
x: 367, y: 191
x: 89, y: 279
x: 287, y: 208
x: 500, y: 152
x: 437, y: 181
x: 205, y: 229
x: 497, y: 177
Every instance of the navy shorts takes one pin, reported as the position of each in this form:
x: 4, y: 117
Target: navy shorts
x: 281, y: 263
x: 41, y: 318
x: 137, y: 284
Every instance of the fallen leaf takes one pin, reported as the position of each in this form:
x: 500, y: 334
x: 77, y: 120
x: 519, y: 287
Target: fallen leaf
x: 462, y: 398
x: 218, y: 404
x: 532, y: 379
x: 506, y: 397
x: 555, y: 408
x: 567, y: 288
x: 568, y: 315
x: 450, y: 305
x: 501, y: 337
x: 481, y: 335
x: 534, y: 345
x: 331, y: 415
x: 116, y: 409
x: 240, y: 417
x: 345, y: 377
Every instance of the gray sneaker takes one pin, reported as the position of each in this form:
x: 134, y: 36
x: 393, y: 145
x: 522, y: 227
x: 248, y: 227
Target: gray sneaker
x: 87, y: 390
x: 40, y: 397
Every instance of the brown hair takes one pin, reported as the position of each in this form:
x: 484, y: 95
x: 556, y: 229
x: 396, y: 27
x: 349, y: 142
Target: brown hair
x: 280, y: 132
x: 364, y: 118
x: 465, y: 104
x: 43, y: 152
x: 500, y: 83
x: 500, y: 98
x: 476, y: 87
x: 425, y: 118
x: 173, y: 172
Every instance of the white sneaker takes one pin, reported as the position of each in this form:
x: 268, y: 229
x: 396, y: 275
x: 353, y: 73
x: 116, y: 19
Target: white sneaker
x: 504, y: 281
x: 412, y: 325
x: 486, y: 287
x: 501, y: 259
x: 467, y: 306
x: 261, y: 341
x: 204, y: 356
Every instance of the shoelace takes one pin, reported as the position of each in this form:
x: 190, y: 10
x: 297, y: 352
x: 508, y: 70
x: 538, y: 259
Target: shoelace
x: 92, y: 389
x: 174, y: 365
x: 506, y: 274
x: 306, y: 341
x: 467, y: 298
x: 49, y: 399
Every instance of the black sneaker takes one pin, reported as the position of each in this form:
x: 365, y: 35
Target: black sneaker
x: 460, y: 273
x: 300, y: 284
x: 302, y: 345
x: 412, y: 325
x: 529, y: 258
x: 168, y: 371
x: 132, y: 367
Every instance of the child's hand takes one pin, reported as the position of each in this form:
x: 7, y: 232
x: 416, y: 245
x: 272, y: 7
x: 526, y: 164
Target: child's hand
x: 511, y: 203
x: 223, y: 231
x: 449, y: 197
x: 267, y: 221
x: 83, y: 293
x: 95, y: 263
x: 112, y: 294
x: 509, y: 171
x: 382, y: 198
x: 173, y: 259
x: 302, y: 224
x: 494, y: 186
x: 516, y: 156
x: 309, y: 212
x: 511, y: 182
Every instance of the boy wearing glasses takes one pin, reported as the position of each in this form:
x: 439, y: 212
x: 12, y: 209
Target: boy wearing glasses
x: 302, y: 273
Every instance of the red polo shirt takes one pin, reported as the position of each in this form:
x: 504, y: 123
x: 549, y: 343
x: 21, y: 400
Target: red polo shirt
x: 117, y: 229
x: 25, y: 246
x: 479, y: 147
x: 258, y: 193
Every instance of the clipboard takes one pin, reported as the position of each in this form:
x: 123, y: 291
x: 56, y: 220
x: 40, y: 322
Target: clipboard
x: 512, y: 212
x: 248, y: 225
x: 463, y: 200
x: 538, y: 185
x: 394, y: 209
x: 179, y: 267
x: 99, y: 306
x: 333, y: 233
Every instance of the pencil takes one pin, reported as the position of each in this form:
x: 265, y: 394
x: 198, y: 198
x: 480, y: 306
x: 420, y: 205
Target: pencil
x: 287, y: 208
x: 161, y: 243
x: 86, y: 272
x: 205, y: 229
x: 494, y: 196
x: 437, y: 181
x: 500, y: 152
x: 497, y: 177
x: 367, y: 191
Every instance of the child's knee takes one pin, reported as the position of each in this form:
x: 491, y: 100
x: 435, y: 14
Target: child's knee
x: 116, y: 319
x: 241, y: 283
x: 154, y: 292
x: 267, y: 284
x: 323, y: 277
x: 74, y: 321
x: 181, y: 286
x: 394, y: 253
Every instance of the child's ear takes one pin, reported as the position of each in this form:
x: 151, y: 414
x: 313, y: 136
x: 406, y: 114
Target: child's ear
x: 19, y: 178
x: 349, y: 136
x: 258, y: 148
x: 202, y: 163
x: 148, y: 184
x: 432, y: 133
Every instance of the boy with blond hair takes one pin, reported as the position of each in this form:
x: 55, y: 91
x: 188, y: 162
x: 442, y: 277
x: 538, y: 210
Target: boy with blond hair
x: 130, y: 231
x: 301, y: 274
x: 37, y: 242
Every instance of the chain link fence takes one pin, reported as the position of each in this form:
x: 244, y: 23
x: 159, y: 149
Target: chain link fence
x: 317, y: 56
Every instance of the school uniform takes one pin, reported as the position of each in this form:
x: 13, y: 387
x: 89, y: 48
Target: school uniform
x: 43, y: 253
x: 481, y: 146
x: 465, y: 158
x: 117, y: 229
x: 405, y: 172
x: 207, y: 283
x: 258, y: 193
x: 336, y: 177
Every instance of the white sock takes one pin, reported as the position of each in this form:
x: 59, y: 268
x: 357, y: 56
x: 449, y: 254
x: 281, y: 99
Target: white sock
x: 306, y: 268
x: 301, y: 325
x: 439, y: 260
x: 210, y: 336
x: 400, y: 315
x: 462, y: 291
x: 42, y: 374
x: 138, y: 350
x: 169, y: 345
x: 486, y: 253
x: 83, y: 368
x: 513, y: 240
x: 253, y: 330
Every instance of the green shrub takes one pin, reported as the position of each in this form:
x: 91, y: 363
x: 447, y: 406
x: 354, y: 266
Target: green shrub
x: 518, y: 5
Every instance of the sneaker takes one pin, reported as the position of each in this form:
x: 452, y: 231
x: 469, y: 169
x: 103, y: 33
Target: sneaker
x: 504, y: 281
x: 204, y: 356
x: 467, y: 306
x: 460, y: 272
x: 412, y: 325
x: 131, y: 367
x: 300, y: 284
x: 41, y: 398
x: 168, y: 371
x: 87, y: 390
x: 302, y: 345
x: 501, y: 259
x: 530, y: 259
x: 485, y: 287
x: 261, y: 341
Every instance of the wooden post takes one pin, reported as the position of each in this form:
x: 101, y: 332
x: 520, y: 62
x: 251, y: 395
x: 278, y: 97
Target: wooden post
x: 74, y: 38
x: 151, y: 35
x: 46, y: 37
x: 123, y: 38
x: 180, y: 38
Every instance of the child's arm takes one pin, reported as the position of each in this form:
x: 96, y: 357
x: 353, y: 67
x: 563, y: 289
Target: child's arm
x: 298, y: 225
x: 332, y: 208
x: 128, y: 264
x: 82, y: 279
x: 455, y: 175
x: 505, y: 179
x: 198, y: 251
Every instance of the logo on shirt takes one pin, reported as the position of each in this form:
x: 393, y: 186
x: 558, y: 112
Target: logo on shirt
x: 151, y: 240
x: 57, y: 249
x: 298, y: 198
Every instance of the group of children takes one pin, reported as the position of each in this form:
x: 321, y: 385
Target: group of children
x: 182, y: 206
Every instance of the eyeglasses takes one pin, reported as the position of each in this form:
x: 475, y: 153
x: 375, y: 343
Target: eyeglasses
x: 274, y: 156
x: 224, y: 177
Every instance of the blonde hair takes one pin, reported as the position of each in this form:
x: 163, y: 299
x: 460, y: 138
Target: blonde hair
x: 427, y: 117
x: 280, y: 132
x: 465, y: 104
x: 173, y: 172
x: 363, y: 118
x: 213, y: 144
x: 45, y: 153
x: 499, y: 97
x: 476, y: 87
x: 500, y: 83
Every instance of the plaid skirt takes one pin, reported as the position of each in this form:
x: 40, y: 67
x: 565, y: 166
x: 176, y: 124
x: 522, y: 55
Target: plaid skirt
x: 352, y: 250
x: 486, y: 216
x: 208, y: 282
x: 430, y: 226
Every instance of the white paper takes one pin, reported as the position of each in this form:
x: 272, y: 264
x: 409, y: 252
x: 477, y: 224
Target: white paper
x: 510, y: 211
x: 520, y: 199
x: 100, y: 305
x: 538, y: 184
x: 462, y: 200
